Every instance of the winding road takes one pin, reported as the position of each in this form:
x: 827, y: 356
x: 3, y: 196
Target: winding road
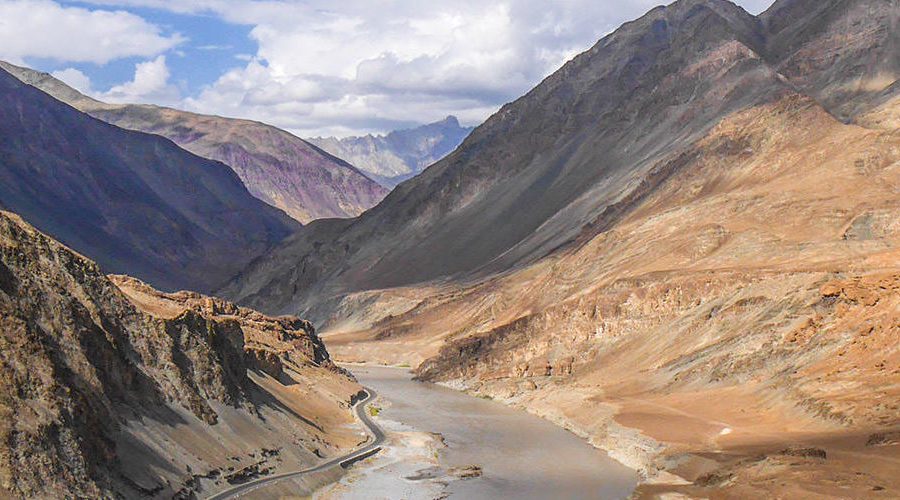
x: 344, y: 461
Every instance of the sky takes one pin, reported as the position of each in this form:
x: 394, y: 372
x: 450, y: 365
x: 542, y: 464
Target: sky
x: 313, y: 67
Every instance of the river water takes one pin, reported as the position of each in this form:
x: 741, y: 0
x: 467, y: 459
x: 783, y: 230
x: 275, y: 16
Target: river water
x: 522, y: 456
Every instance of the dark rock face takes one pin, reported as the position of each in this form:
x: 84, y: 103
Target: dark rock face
x: 569, y: 158
x: 844, y: 53
x: 79, y: 359
x: 393, y: 158
x: 277, y: 167
x: 134, y: 202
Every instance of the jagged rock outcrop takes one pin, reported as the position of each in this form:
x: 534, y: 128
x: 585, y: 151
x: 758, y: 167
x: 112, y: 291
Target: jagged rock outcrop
x: 112, y: 389
x: 272, y: 344
x: 393, y: 158
x: 276, y: 166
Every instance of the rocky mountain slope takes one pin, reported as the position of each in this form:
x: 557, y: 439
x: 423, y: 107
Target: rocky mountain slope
x: 134, y: 202
x: 112, y: 389
x: 576, y: 153
x: 843, y: 53
x: 393, y: 158
x: 277, y: 167
x: 683, y: 246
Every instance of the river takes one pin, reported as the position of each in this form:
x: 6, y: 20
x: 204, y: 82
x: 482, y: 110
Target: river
x: 522, y: 456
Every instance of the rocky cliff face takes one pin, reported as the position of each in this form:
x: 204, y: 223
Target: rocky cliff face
x: 134, y: 202
x: 277, y: 167
x: 579, y: 151
x: 843, y: 53
x: 393, y: 158
x: 112, y: 389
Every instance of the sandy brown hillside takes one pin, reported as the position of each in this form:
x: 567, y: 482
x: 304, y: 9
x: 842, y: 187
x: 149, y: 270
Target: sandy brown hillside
x: 723, y: 340
x: 530, y: 177
x: 276, y: 166
x: 112, y: 389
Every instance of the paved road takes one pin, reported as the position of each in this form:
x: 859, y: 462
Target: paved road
x: 344, y: 461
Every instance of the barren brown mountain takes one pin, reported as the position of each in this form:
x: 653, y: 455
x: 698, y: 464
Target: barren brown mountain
x: 112, y: 389
x: 582, y: 148
x: 683, y: 245
x: 276, y: 166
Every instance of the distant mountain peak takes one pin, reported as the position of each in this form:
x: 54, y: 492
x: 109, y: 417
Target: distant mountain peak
x: 401, y: 154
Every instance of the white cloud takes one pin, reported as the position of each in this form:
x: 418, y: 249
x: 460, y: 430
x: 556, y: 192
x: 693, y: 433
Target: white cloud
x: 357, y: 66
x: 150, y: 84
x: 75, y: 79
x: 46, y: 29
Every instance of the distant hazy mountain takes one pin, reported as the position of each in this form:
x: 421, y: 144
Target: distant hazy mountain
x: 134, y: 202
x: 391, y: 159
x: 277, y: 167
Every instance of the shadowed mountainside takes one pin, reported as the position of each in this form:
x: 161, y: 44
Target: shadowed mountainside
x: 134, y: 202
x: 393, y: 158
x: 843, y: 53
x: 277, y: 167
x: 112, y: 389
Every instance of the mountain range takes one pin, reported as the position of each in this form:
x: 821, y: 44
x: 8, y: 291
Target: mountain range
x: 393, y: 158
x: 586, y: 146
x: 275, y: 166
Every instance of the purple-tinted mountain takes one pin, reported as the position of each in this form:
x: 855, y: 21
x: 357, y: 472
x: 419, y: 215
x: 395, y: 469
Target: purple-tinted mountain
x: 134, y: 202
x: 276, y: 166
x: 391, y: 159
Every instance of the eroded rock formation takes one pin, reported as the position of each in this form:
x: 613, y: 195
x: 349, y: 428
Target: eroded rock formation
x: 111, y: 388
